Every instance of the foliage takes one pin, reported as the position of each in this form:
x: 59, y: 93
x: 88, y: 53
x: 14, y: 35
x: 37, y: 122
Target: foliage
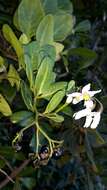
x: 48, y: 49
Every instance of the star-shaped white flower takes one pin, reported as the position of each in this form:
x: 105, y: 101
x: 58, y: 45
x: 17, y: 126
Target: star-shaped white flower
x: 85, y: 95
x: 92, y: 118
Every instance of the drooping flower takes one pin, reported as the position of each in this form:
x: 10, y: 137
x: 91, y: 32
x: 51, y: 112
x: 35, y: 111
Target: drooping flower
x: 92, y: 115
x: 82, y: 113
x: 85, y: 95
x: 92, y: 118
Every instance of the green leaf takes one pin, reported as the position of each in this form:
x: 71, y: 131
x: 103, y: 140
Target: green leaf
x: 12, y: 39
x: 47, y: 51
x: 13, y: 77
x: 16, y: 19
x: 59, y: 48
x: 9, y: 92
x: 29, y: 70
x: 28, y: 171
x: 88, y: 56
x: 9, y: 153
x: 55, y: 117
x: 28, y: 16
x: 71, y: 85
x: 1, y: 61
x: 32, y: 50
x: 83, y: 26
x: 44, y: 75
x: 28, y: 122
x: 54, y: 6
x: 23, y: 118
x: 2, y: 66
x: 4, y: 107
x: 67, y: 111
x: 55, y: 101
x: 66, y: 6
x: 53, y: 88
x: 44, y: 33
x: 2, y: 163
x: 63, y: 25
x: 24, y: 39
x: 50, y: 7
x: 20, y: 116
x: 83, y: 52
x: 27, y: 96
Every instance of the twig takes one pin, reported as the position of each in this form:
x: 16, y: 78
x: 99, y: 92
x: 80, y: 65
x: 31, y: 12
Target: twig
x: 8, y: 177
x: 14, y: 173
x: 7, y: 163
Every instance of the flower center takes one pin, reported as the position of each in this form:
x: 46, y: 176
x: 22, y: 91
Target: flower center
x: 86, y: 96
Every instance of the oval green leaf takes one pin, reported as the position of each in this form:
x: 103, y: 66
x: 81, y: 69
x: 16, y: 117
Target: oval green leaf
x: 13, y: 77
x: 27, y: 96
x: 63, y: 25
x: 44, y: 33
x: 55, y: 117
x: 19, y: 116
x: 44, y: 75
x: 4, y: 107
x: 28, y: 16
x: 12, y: 39
x: 55, y: 101
x: 53, y: 88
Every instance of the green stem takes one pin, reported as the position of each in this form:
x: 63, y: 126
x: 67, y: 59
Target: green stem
x: 50, y: 141
x: 19, y: 135
x: 37, y: 140
x: 61, y: 108
x: 44, y: 134
x: 57, y: 142
x: 27, y: 127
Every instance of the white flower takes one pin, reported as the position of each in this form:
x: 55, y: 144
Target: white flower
x: 92, y: 118
x: 85, y: 95
x: 82, y: 113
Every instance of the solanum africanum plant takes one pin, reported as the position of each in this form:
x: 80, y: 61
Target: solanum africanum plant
x: 37, y: 59
x: 47, y: 101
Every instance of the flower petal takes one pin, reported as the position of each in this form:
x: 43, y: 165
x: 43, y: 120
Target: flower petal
x: 96, y: 120
x: 92, y: 93
x: 89, y: 104
x: 81, y: 113
x: 77, y: 100
x: 75, y: 94
x: 88, y: 121
x: 69, y: 99
x: 86, y: 88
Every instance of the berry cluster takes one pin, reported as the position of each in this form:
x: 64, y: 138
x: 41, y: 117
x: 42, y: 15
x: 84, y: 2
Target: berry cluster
x: 44, y: 156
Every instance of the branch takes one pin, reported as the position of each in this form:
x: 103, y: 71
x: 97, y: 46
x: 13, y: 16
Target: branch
x: 8, y: 177
x: 6, y: 162
x: 14, y: 173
